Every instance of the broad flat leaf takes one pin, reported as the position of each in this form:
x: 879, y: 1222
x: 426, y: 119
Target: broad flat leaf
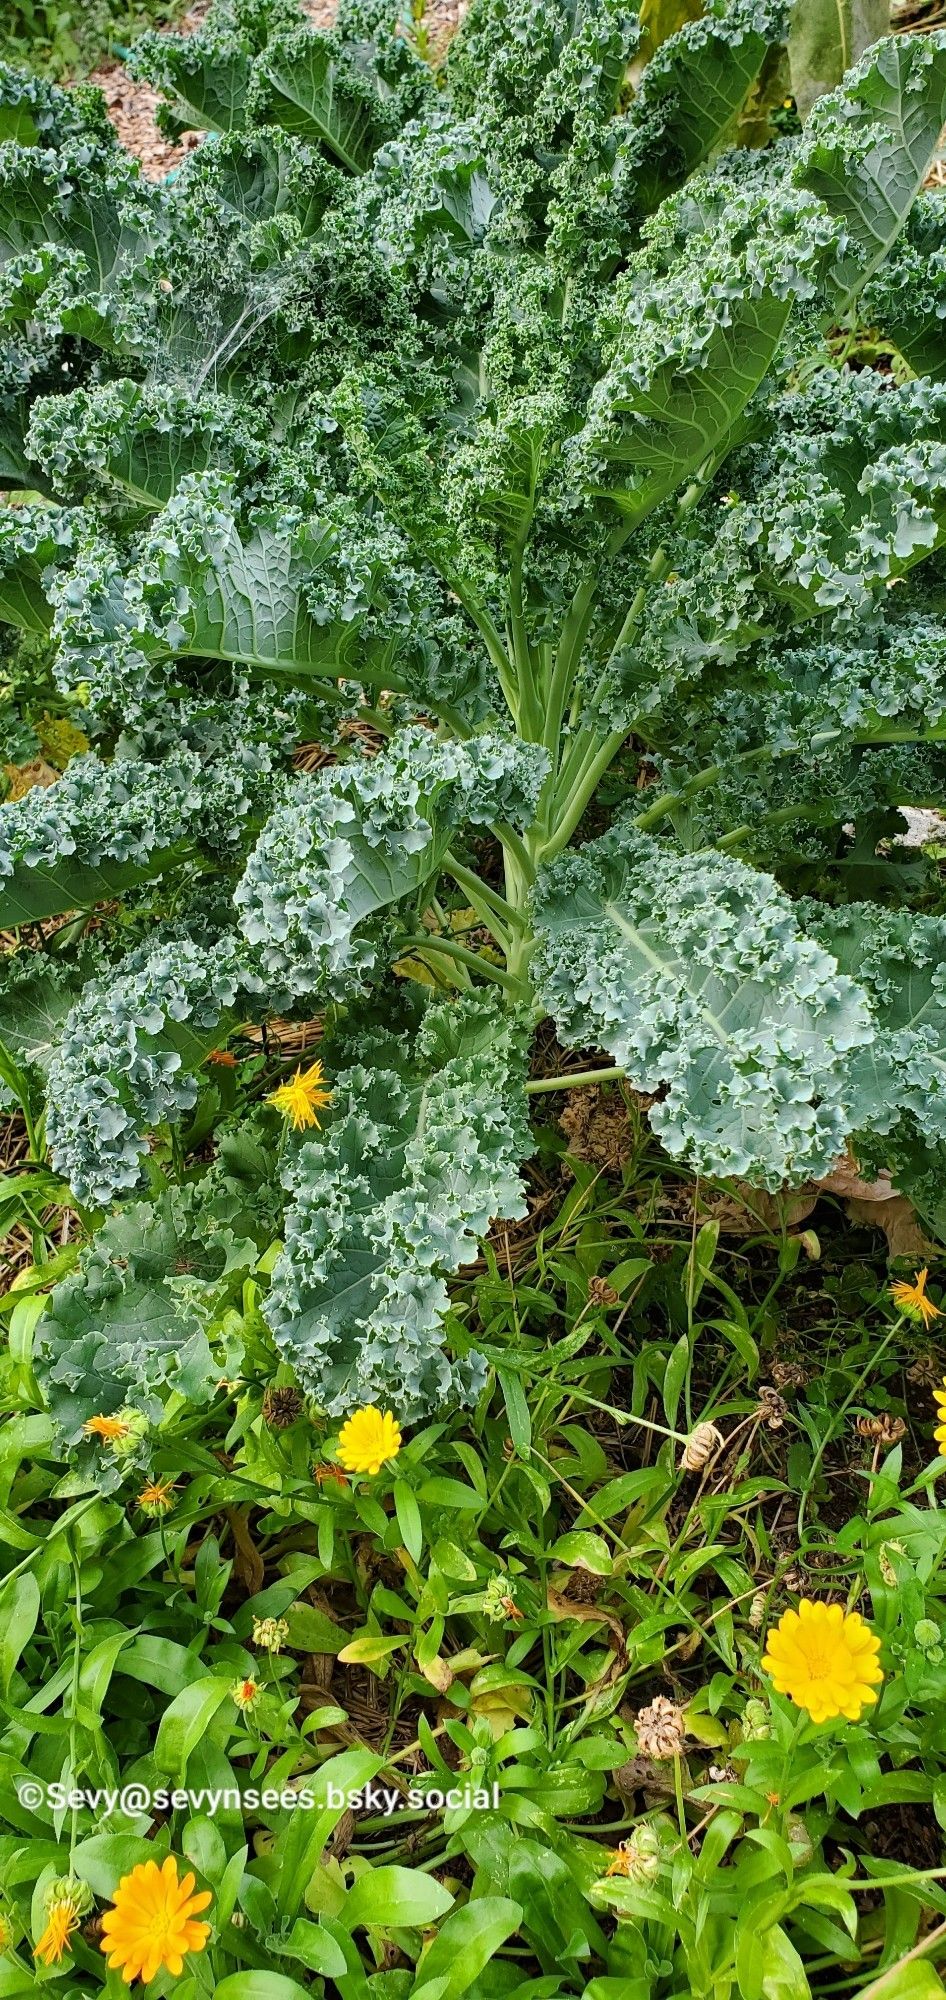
x: 465, y: 1943
x: 29, y: 894
x: 826, y: 39
x: 868, y: 148
x: 692, y: 970
x: 394, y: 1896
x: 309, y: 87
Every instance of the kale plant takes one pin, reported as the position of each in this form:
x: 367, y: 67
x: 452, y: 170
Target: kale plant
x: 505, y: 431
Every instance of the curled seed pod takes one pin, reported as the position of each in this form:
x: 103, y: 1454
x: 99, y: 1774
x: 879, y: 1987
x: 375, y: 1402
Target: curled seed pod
x: 700, y: 1447
x: 282, y: 1407
x: 789, y: 1375
x: 757, y: 1609
x: 772, y: 1407
x: 885, y: 1429
x: 600, y: 1293
x: 660, y: 1729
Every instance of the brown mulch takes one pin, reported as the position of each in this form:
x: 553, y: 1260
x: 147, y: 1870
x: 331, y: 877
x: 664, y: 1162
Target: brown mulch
x: 132, y: 107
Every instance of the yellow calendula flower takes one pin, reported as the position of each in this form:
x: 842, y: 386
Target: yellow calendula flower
x: 109, y: 1429
x: 939, y: 1398
x: 151, y: 1923
x: 912, y: 1299
x: 66, y: 1904
x: 157, y: 1497
x: 303, y: 1098
x: 246, y: 1694
x: 368, y: 1440
x: 825, y: 1659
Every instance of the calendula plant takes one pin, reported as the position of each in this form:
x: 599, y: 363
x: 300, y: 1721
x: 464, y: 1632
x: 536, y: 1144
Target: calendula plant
x: 503, y: 431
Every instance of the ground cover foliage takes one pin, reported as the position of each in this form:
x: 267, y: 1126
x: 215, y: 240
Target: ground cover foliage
x: 472, y: 587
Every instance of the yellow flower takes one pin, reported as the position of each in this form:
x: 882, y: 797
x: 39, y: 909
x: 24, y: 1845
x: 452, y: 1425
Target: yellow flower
x: 825, y: 1660
x: 109, y: 1429
x: 368, y: 1440
x: 157, y: 1497
x: 6, y: 1936
x: 62, y: 1918
x: 913, y: 1301
x: 152, y: 1922
x: 301, y: 1100
x: 939, y: 1398
x: 246, y: 1694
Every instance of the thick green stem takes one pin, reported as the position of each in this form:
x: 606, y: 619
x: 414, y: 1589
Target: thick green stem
x: 493, y: 910
x: 578, y: 1078
x: 582, y: 793
x: 473, y: 960
x: 530, y: 706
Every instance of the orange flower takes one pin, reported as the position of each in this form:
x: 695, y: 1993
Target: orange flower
x: 62, y: 1918
x: 109, y: 1429
x: 157, y: 1497
x: 152, y: 1923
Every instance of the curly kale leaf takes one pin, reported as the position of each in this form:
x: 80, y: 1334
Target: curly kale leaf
x: 35, y: 112
x: 206, y: 75
x: 692, y: 970
x: 348, y: 843
x: 693, y: 90
x: 868, y: 147
x: 136, y: 443
x: 104, y: 827
x: 391, y: 1199
x: 132, y: 1324
x: 33, y: 542
x: 899, y: 958
x: 282, y: 592
x: 129, y: 1055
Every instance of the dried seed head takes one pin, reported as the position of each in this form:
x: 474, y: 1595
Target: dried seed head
x: 927, y: 1371
x: 282, y: 1407
x: 722, y: 1774
x: 270, y: 1634
x: 773, y: 1407
x: 600, y: 1293
x: 885, y: 1429
x: 757, y: 1609
x: 789, y: 1375
x: 660, y: 1729
x: 701, y: 1445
